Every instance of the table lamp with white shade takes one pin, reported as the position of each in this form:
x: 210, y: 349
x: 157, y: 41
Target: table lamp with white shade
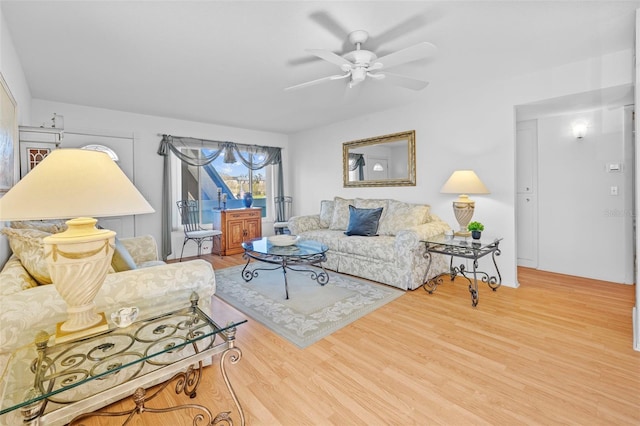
x: 464, y: 182
x: 81, y: 184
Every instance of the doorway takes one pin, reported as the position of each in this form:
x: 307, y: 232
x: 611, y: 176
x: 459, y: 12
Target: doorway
x: 574, y: 196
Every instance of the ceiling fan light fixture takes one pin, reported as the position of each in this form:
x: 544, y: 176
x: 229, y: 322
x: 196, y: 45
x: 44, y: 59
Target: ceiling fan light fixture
x: 357, y: 76
x: 358, y: 64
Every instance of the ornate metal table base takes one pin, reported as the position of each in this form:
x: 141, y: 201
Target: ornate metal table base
x: 473, y: 251
x: 285, y: 263
x: 187, y: 382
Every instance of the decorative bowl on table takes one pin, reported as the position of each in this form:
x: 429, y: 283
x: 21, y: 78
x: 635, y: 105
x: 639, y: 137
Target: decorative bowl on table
x: 283, y: 240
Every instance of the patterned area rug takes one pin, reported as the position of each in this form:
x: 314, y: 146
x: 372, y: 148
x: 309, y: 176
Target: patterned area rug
x: 312, y: 311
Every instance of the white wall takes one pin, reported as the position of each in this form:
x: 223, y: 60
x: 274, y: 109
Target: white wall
x: 147, y: 163
x: 583, y: 229
x: 13, y: 74
x: 459, y: 125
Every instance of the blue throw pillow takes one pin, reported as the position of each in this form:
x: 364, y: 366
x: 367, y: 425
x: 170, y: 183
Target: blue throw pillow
x: 363, y: 222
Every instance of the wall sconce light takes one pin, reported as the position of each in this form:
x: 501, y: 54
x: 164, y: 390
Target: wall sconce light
x: 378, y: 167
x: 579, y: 129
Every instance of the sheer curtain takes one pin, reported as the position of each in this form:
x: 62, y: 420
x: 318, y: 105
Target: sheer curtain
x: 173, y: 144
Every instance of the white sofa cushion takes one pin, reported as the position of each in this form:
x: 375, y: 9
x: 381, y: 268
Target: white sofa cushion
x: 28, y: 246
x: 143, y: 249
x: 50, y: 226
x: 340, y: 219
x: 402, y: 215
x: 326, y: 213
x: 15, y: 278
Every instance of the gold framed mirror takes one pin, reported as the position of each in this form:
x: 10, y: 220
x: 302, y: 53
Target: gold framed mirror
x: 388, y: 160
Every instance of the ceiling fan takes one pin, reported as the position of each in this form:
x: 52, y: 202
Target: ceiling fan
x: 361, y: 64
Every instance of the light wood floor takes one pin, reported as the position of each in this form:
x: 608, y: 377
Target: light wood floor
x: 557, y: 350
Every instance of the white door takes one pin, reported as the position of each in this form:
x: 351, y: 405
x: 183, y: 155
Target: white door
x: 526, y: 197
x: 527, y: 230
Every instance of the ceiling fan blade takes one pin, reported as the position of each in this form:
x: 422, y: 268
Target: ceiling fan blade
x: 407, y: 26
x: 329, y: 56
x: 404, y: 81
x: 303, y: 60
x: 329, y: 23
x: 318, y: 81
x: 413, y: 53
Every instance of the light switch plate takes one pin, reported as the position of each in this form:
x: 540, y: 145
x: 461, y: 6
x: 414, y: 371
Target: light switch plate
x: 614, y: 167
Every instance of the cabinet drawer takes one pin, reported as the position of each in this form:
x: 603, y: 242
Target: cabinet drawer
x: 243, y: 215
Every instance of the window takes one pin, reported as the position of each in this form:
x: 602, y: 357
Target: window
x: 233, y: 180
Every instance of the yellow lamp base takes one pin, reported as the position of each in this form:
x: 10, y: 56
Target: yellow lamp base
x: 66, y: 336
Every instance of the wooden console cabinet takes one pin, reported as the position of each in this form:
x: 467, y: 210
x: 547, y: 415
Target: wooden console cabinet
x: 237, y: 226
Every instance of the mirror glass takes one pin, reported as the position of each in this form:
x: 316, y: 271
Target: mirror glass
x: 380, y: 161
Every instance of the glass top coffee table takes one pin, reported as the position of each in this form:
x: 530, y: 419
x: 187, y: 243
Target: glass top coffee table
x: 45, y: 383
x: 302, y: 253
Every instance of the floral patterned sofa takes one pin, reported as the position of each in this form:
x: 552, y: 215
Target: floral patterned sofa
x: 395, y: 256
x: 28, y: 304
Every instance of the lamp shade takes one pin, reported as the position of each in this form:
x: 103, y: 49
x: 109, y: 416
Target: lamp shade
x: 71, y: 183
x: 464, y: 182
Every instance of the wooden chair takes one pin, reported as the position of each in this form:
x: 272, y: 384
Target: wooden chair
x: 193, y: 231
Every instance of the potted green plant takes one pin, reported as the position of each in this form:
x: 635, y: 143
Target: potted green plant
x: 476, y: 229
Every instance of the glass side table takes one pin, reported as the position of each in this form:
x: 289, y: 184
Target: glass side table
x: 57, y: 384
x: 465, y: 248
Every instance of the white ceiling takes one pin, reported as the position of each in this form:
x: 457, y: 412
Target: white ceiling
x: 227, y: 62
